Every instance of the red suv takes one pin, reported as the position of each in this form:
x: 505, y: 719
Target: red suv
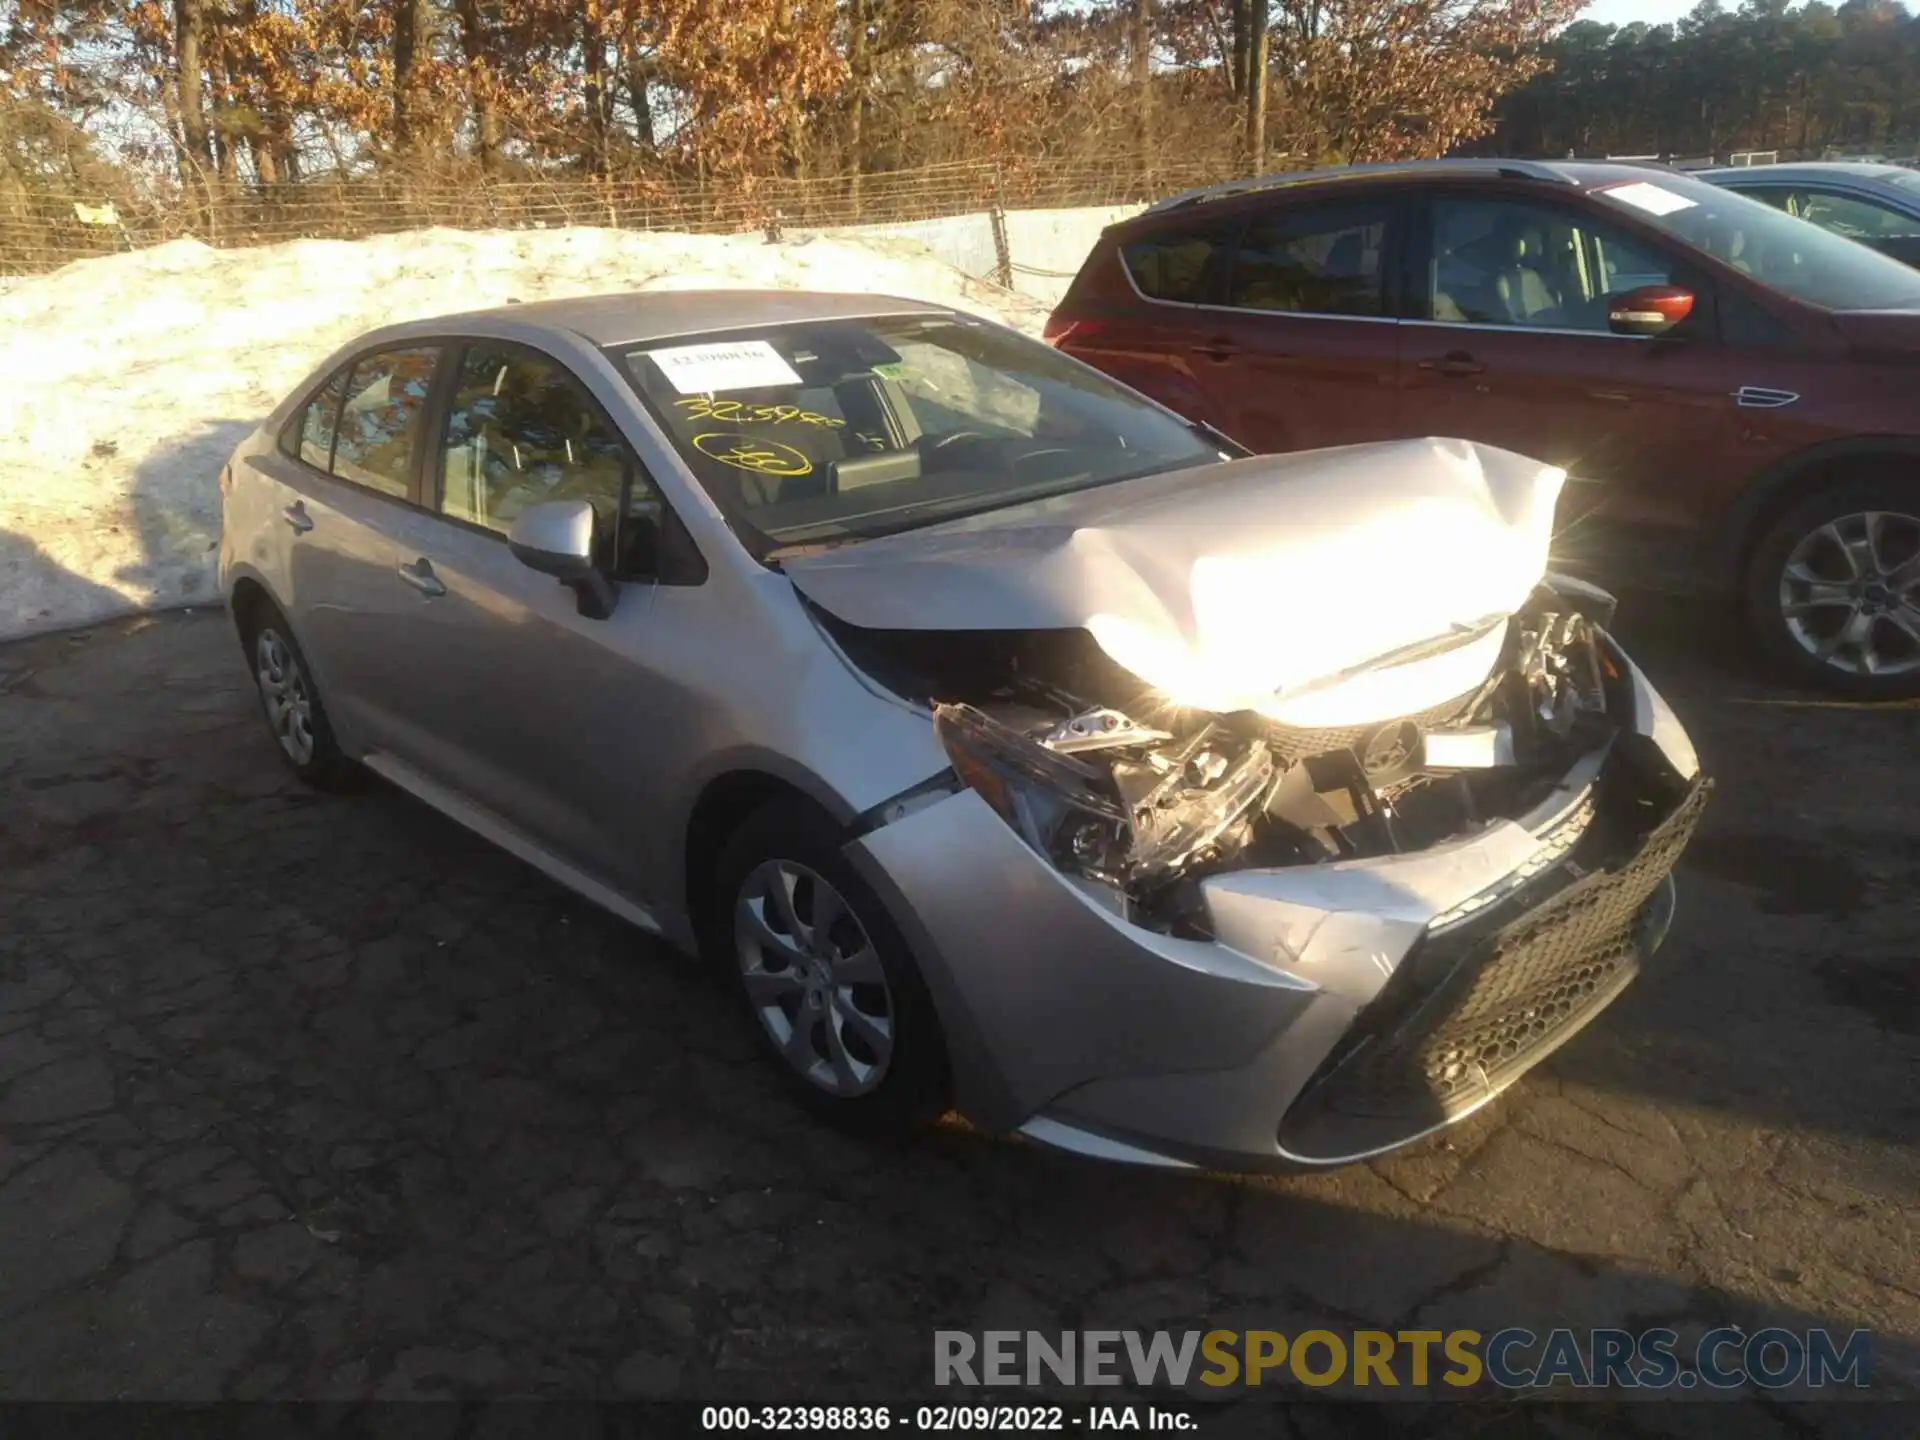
x: 1735, y: 393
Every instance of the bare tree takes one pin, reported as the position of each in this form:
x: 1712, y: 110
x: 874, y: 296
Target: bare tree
x: 190, y: 34
x: 1256, y: 85
x: 1141, y: 48
x: 412, y: 47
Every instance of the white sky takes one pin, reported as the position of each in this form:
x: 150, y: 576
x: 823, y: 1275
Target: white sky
x: 1625, y: 12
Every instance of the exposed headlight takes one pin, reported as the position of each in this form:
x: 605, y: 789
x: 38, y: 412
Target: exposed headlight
x: 1063, y: 807
x: 1081, y: 816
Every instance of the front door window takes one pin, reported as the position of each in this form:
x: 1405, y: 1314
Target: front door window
x: 1530, y: 266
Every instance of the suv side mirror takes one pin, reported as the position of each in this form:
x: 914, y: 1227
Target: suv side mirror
x: 555, y: 537
x: 1650, y: 310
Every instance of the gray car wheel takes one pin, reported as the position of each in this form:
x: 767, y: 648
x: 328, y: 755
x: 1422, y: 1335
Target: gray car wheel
x: 814, y: 979
x: 835, y: 998
x: 290, y: 699
x: 1833, y: 591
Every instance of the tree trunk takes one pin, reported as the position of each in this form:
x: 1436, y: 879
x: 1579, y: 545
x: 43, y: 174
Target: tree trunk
x: 1242, y: 12
x: 227, y: 125
x: 1257, y: 86
x: 1141, y: 45
x: 190, y: 32
x: 639, y: 78
x: 593, y: 50
x: 858, y: 76
x: 473, y: 49
x: 796, y: 110
x: 412, y: 43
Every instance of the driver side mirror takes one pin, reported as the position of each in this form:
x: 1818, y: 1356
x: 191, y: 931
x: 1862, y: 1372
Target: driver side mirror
x: 555, y: 537
x: 1650, y: 310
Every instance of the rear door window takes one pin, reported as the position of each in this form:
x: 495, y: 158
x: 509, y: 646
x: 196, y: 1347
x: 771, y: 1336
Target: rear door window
x: 1326, y: 260
x: 1175, y: 265
x: 380, y: 416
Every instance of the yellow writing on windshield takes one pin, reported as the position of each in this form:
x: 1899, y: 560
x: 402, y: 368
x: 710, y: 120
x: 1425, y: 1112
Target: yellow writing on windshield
x: 705, y: 407
x: 745, y: 452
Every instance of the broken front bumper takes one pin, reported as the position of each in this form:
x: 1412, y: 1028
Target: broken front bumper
x: 1341, y: 1011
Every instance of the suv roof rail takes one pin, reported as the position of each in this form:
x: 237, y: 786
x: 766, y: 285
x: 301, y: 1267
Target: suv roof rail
x: 1516, y: 169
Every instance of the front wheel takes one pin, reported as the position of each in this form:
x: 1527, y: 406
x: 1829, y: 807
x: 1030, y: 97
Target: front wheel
x: 1833, y: 589
x: 829, y: 984
x: 290, y: 700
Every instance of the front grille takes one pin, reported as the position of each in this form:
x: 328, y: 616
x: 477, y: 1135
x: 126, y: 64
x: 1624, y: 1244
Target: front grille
x: 1290, y: 743
x: 1506, y: 1001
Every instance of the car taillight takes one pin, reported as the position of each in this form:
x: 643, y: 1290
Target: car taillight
x: 226, y: 480
x: 1059, y: 329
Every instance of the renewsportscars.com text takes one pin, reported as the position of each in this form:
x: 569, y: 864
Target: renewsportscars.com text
x: 1514, y: 1358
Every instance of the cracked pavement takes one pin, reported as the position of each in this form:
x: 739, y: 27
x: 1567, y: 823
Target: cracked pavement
x: 323, y: 1098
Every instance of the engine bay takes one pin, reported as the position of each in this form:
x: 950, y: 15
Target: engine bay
x: 1143, y: 799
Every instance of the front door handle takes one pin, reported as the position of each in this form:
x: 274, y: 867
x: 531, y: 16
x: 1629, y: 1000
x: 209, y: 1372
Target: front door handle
x: 296, y: 516
x: 1454, y: 362
x: 1217, y: 350
x: 421, y: 577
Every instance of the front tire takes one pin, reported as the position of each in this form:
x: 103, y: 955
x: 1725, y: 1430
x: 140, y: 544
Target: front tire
x: 828, y: 984
x: 1832, y: 592
x: 290, y: 700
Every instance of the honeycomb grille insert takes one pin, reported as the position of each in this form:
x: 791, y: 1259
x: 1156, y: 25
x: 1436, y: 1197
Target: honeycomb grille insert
x: 1508, y: 999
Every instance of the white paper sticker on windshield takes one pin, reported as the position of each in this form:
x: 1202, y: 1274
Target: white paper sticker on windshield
x: 741, y: 365
x: 1650, y: 198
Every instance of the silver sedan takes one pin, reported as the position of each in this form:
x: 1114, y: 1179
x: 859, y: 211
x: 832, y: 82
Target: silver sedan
x: 1009, y: 743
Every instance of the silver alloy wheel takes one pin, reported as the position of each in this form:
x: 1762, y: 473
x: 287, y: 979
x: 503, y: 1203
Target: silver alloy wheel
x: 283, y: 689
x: 1850, y: 593
x: 814, y: 978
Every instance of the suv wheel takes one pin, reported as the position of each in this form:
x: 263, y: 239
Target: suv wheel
x: 1833, y: 589
x: 826, y: 979
x: 290, y: 699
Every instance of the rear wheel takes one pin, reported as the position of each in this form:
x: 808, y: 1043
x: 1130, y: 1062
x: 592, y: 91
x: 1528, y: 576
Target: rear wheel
x: 1833, y: 589
x: 830, y: 987
x: 290, y: 699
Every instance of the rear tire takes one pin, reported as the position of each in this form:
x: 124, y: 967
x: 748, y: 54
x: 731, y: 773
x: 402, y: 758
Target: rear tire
x: 1831, y: 593
x: 828, y: 984
x: 290, y: 700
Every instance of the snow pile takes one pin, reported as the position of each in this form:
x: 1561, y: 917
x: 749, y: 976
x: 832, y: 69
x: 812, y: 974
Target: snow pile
x: 127, y: 380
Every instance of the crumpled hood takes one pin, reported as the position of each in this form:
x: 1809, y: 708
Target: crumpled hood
x: 1233, y: 586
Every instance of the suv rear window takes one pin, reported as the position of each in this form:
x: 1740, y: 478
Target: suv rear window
x: 1173, y: 264
x: 1325, y: 261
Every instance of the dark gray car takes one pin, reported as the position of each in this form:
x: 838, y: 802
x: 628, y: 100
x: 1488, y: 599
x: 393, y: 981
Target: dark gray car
x: 1878, y: 205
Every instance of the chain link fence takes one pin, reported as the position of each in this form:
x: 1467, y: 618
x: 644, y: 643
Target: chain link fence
x: 42, y: 231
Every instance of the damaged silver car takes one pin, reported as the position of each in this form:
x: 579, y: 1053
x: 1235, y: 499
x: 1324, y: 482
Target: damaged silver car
x: 1008, y: 742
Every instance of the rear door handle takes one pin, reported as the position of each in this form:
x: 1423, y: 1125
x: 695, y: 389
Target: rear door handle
x: 421, y: 577
x: 296, y: 516
x: 1218, y: 351
x: 1454, y: 362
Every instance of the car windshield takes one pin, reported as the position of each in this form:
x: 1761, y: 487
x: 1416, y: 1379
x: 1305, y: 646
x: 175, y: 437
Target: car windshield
x: 1789, y: 255
x: 1905, y: 179
x: 836, y: 430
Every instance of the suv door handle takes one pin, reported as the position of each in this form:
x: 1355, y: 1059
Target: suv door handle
x: 296, y: 516
x: 1217, y: 350
x: 421, y: 577
x: 1454, y: 362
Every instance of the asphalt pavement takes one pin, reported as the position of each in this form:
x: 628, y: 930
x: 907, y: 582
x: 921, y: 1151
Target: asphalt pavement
x: 321, y: 1097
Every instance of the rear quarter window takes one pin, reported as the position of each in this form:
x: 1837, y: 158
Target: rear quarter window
x: 1173, y: 265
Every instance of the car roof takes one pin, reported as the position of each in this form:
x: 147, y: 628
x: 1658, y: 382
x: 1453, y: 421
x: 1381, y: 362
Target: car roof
x: 1577, y: 174
x: 643, y: 315
x: 1804, y: 170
